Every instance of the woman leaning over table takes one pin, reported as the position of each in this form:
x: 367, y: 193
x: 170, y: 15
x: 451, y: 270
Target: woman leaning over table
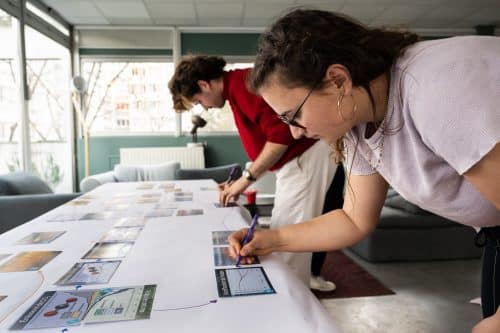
x: 422, y: 117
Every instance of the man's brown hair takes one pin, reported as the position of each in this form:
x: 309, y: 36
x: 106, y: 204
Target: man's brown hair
x: 184, y: 84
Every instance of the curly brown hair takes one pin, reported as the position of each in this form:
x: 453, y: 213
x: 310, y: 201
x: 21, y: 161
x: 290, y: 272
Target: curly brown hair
x: 299, y: 47
x: 184, y: 83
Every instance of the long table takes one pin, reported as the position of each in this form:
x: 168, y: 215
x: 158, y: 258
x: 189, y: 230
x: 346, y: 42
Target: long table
x: 176, y: 254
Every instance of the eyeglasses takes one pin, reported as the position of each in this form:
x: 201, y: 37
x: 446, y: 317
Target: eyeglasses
x: 292, y: 121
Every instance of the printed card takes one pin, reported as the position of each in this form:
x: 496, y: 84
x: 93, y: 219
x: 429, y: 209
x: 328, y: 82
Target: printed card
x: 243, y: 282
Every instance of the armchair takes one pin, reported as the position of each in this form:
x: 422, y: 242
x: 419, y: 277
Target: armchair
x: 24, y: 197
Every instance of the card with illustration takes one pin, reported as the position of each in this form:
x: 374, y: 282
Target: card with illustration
x: 164, y: 186
x: 83, y: 273
x: 178, y: 199
x: 189, y: 212
x: 145, y: 186
x: 222, y: 257
x: 183, y: 194
x: 123, y: 195
x: 39, y: 238
x: 172, y: 190
x: 115, y: 207
x: 2, y: 297
x: 72, y: 307
x: 78, y: 202
x: 88, y: 197
x: 68, y: 217
x: 28, y: 261
x: 230, y: 204
x: 151, y: 195
x: 208, y: 188
x: 108, y: 250
x: 243, y: 282
x: 165, y: 212
x: 166, y: 205
x: 148, y: 200
x: 96, y: 216
x: 130, y: 221
x: 220, y: 237
x: 122, y: 234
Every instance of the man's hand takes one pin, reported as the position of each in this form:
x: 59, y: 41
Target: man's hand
x: 233, y: 190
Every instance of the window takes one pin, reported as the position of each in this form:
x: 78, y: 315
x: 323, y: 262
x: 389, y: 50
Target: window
x: 9, y: 96
x: 48, y: 74
x: 218, y: 120
x: 126, y: 97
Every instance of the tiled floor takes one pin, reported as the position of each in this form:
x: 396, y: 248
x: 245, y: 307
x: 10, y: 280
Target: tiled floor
x: 431, y: 297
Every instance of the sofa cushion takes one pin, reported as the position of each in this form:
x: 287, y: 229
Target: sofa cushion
x: 396, y: 201
x: 91, y: 182
x: 129, y: 173
x: 4, y: 187
x: 24, y: 183
x: 391, y: 218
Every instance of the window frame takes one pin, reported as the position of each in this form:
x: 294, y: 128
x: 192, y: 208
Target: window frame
x: 158, y: 59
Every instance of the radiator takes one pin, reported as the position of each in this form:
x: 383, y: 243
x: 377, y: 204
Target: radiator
x: 189, y: 157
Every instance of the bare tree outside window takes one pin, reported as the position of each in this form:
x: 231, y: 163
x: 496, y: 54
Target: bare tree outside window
x: 128, y: 97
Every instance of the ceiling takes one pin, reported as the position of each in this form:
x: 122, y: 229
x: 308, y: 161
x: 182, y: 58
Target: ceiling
x: 415, y: 14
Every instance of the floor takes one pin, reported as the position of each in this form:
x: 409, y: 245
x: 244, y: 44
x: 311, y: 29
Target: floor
x: 431, y: 297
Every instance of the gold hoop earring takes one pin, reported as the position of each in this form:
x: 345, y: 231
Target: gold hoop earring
x: 354, y: 108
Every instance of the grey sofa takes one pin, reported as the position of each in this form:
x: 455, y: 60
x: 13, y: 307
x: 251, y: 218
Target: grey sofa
x: 24, y: 197
x: 157, y: 172
x: 129, y: 173
x: 219, y: 173
x: 406, y: 232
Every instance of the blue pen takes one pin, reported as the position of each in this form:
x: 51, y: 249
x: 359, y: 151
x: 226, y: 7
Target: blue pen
x: 232, y: 173
x: 248, y: 236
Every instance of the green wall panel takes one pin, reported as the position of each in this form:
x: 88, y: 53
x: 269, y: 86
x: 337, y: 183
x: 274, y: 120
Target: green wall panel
x: 105, y: 151
x: 227, y: 44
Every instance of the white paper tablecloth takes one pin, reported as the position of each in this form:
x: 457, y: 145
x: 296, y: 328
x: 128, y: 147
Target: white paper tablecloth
x: 175, y: 253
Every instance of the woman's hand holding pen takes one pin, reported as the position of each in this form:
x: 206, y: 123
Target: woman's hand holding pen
x: 263, y: 242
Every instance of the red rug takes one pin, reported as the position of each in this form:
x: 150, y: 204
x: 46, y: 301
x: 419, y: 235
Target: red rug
x: 351, y: 279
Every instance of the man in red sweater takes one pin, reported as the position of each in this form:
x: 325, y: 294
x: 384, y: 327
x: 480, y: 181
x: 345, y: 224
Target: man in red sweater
x: 303, y: 175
